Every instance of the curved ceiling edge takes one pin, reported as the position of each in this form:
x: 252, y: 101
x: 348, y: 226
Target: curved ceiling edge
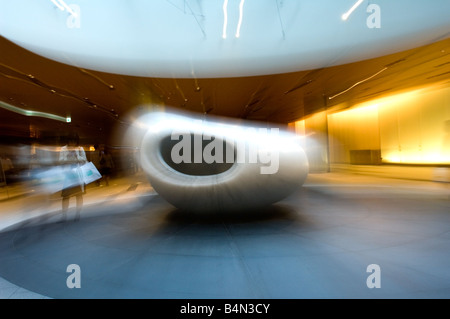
x: 195, y: 39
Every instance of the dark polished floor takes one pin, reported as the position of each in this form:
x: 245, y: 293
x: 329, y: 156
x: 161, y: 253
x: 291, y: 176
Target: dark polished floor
x: 315, y: 244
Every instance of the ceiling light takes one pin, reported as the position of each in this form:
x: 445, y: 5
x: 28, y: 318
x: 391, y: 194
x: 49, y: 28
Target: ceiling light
x: 225, y: 19
x: 241, y: 11
x: 358, y: 83
x: 62, y: 5
x: 56, y: 3
x: 25, y: 112
x: 68, y: 8
x: 98, y: 78
x: 346, y: 15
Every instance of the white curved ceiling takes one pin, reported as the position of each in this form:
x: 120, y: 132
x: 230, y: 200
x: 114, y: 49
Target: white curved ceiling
x: 197, y: 39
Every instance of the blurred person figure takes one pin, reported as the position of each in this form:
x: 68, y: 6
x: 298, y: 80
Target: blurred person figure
x: 71, y: 157
x: 106, y: 164
x: 95, y: 159
x: 6, y: 164
x: 5, y: 168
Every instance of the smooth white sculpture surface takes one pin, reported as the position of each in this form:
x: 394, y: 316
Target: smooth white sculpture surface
x: 210, y: 166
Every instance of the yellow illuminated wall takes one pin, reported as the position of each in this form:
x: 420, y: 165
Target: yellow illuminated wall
x: 415, y: 127
x: 405, y: 128
x: 351, y: 131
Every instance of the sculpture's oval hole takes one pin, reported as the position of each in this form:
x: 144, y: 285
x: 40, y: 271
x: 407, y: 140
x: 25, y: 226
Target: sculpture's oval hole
x: 193, y: 154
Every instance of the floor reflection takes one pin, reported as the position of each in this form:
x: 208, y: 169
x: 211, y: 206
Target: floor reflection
x: 315, y: 244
